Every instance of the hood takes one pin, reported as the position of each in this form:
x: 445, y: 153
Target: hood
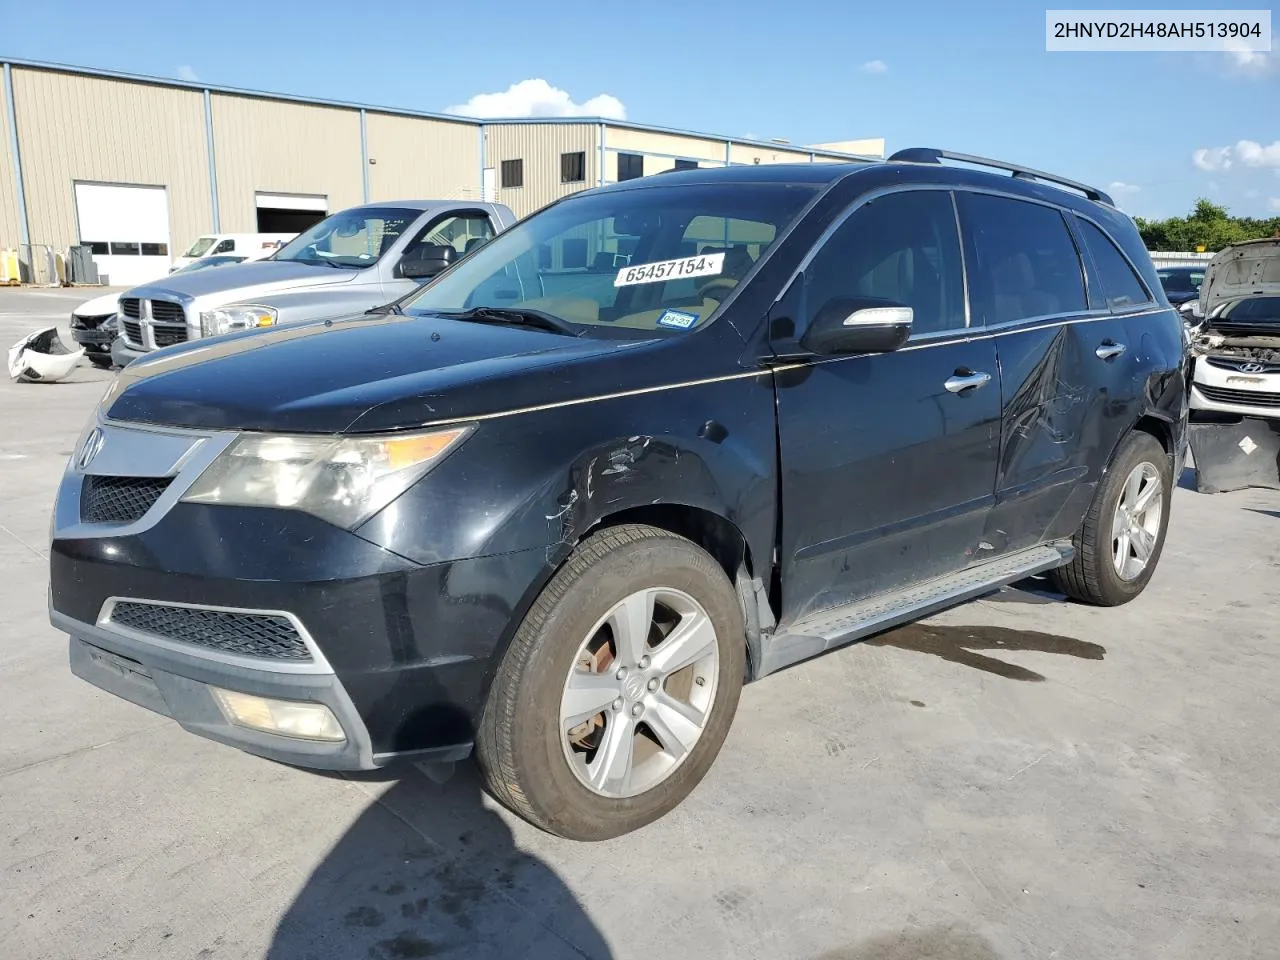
x: 1250, y: 269
x: 361, y: 374
x: 244, y: 281
x: 103, y: 306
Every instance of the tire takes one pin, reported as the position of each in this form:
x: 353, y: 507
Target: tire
x: 528, y: 761
x: 1092, y: 576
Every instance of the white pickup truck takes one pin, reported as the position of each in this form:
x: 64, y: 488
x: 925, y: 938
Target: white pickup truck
x: 347, y: 263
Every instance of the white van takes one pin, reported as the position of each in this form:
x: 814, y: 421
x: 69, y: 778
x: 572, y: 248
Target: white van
x: 248, y: 245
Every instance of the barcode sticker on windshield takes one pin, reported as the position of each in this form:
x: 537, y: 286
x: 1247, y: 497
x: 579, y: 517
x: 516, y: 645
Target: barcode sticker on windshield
x: 704, y: 265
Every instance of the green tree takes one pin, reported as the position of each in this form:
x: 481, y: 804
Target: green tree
x: 1209, y: 224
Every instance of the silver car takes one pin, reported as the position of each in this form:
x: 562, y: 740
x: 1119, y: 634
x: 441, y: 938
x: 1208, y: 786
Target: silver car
x: 347, y: 263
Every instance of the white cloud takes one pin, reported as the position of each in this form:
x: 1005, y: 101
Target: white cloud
x: 186, y: 73
x: 1251, y: 63
x: 537, y: 98
x: 875, y: 66
x: 1248, y: 152
x: 1273, y: 204
x: 1119, y: 187
x: 1212, y: 158
x: 751, y: 136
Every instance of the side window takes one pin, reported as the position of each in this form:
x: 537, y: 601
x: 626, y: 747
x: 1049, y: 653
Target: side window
x: 1120, y: 286
x: 901, y: 247
x: 1022, y: 260
x: 464, y: 233
x: 226, y: 246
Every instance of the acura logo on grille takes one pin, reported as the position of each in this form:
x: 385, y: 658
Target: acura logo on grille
x: 1252, y: 367
x: 91, y: 448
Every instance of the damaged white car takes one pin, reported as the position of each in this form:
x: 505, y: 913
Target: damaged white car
x: 1235, y: 379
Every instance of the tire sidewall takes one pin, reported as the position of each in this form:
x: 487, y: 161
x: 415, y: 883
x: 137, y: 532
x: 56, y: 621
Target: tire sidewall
x: 550, y: 785
x: 1138, y: 448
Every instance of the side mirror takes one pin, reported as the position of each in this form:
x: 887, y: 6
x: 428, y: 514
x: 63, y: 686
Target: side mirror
x: 427, y: 261
x: 858, y: 325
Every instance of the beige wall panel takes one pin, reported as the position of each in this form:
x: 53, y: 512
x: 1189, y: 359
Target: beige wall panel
x: 91, y: 128
x: 740, y: 153
x: 675, y: 145
x: 540, y: 147
x: 422, y: 159
x: 9, y: 226
x: 283, y: 147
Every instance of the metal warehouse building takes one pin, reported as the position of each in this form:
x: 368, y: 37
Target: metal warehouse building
x: 139, y: 167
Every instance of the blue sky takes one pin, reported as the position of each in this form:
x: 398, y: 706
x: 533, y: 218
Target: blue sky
x: 975, y: 79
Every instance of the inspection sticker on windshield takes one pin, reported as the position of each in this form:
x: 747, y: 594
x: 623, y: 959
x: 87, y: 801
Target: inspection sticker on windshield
x: 677, y: 319
x: 703, y: 265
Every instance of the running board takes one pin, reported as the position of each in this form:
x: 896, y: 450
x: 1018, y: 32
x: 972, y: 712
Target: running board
x: 841, y: 625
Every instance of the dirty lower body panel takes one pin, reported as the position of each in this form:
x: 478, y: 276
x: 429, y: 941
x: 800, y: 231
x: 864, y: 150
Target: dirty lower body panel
x: 1234, y: 456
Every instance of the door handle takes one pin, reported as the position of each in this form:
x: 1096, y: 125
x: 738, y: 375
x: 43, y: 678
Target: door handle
x: 1109, y: 350
x: 966, y: 379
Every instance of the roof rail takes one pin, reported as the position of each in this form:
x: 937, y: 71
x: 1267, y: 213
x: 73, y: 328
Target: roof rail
x: 933, y: 155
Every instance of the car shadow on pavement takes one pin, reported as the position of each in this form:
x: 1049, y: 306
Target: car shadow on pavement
x: 960, y: 645
x: 429, y: 870
x: 933, y: 943
x: 1266, y: 513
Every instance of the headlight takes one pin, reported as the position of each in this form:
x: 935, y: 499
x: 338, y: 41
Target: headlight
x: 230, y: 319
x: 344, y: 480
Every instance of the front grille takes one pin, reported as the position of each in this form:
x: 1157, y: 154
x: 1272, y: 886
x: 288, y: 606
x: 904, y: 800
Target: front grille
x: 165, y: 311
x: 263, y: 635
x: 119, y: 499
x: 131, y: 307
x: 132, y: 331
x: 1229, y: 363
x: 1241, y: 398
x: 168, y: 336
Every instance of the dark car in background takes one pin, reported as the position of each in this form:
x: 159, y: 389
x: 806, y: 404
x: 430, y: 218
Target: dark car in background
x: 557, y: 509
x: 1181, y: 284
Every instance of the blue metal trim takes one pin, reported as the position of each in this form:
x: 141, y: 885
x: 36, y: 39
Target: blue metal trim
x: 213, y: 162
x: 364, y: 155
x: 24, y: 228
x: 484, y: 147
x: 600, y: 178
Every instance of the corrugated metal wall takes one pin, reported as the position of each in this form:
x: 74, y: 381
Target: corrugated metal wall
x: 73, y: 127
x: 666, y: 145
x: 740, y: 153
x: 540, y: 147
x: 9, y: 228
x: 416, y: 158
x: 282, y: 147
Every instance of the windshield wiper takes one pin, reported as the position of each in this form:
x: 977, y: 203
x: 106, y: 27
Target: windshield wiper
x: 518, y: 316
x: 392, y: 307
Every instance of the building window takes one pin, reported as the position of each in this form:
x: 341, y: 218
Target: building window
x: 630, y: 166
x: 124, y: 249
x: 686, y: 165
x: 155, y: 249
x: 513, y: 173
x: 573, y: 167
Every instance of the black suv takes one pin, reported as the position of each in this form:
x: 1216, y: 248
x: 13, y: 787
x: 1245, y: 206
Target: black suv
x: 654, y: 441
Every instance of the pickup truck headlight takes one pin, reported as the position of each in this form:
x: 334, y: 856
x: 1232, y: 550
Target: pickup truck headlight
x: 344, y: 480
x: 230, y: 319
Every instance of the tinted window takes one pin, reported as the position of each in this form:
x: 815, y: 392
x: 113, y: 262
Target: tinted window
x: 1253, y: 310
x: 686, y: 165
x: 630, y: 166
x: 902, y: 247
x: 513, y: 173
x: 1022, y: 261
x: 1120, y: 285
x: 573, y: 167
x: 226, y: 246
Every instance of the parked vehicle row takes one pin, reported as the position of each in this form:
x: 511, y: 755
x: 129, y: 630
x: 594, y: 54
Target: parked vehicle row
x: 557, y: 504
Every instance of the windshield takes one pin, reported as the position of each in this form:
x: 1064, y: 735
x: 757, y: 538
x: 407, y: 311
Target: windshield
x: 354, y: 238
x: 199, y: 248
x: 1264, y: 310
x: 650, y: 259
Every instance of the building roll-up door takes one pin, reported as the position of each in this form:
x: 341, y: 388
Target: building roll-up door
x: 289, y: 212
x: 126, y: 228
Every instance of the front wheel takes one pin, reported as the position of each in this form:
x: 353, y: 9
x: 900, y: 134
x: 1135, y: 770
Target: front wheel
x: 619, y: 687
x: 1119, y: 543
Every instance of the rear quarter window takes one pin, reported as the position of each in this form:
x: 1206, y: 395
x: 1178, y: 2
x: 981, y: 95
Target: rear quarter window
x: 1115, y: 278
x: 1022, y: 261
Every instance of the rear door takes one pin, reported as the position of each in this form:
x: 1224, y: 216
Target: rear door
x: 1065, y: 364
x: 888, y: 460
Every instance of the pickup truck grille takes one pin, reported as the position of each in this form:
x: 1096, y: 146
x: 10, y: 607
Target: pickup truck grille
x: 119, y: 499
x: 269, y: 636
x: 132, y: 332
x: 166, y: 311
x: 1241, y: 398
x: 131, y: 307
x: 168, y: 336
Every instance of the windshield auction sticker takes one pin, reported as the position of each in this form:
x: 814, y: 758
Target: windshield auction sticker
x: 704, y: 265
x: 1233, y: 31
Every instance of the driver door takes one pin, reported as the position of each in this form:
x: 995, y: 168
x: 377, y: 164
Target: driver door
x: 462, y: 231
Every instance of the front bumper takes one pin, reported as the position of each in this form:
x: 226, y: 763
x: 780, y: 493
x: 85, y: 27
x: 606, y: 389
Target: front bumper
x: 1221, y: 389
x: 122, y: 354
x: 93, y: 341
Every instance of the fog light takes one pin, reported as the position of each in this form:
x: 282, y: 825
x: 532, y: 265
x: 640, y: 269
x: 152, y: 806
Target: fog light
x: 288, y: 718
